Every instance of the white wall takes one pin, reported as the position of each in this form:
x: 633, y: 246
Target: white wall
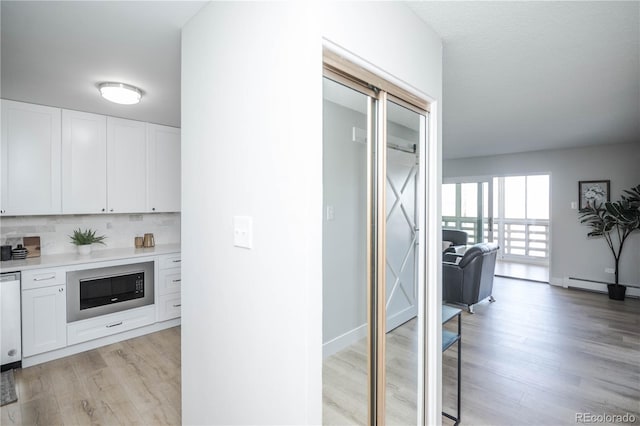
x: 120, y: 229
x: 572, y: 253
x: 344, y: 290
x: 252, y: 112
x: 252, y: 145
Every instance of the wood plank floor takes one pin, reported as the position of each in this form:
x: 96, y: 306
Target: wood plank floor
x: 134, y: 382
x: 524, y: 271
x: 537, y: 356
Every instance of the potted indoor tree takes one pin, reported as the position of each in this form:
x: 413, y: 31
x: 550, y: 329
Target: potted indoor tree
x: 84, y: 239
x: 615, y: 221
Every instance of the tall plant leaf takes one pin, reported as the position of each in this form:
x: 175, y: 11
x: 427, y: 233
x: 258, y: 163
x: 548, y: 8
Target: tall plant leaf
x: 622, y: 216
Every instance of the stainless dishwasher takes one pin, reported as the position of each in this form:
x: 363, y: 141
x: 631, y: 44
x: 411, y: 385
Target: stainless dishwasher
x: 10, y: 341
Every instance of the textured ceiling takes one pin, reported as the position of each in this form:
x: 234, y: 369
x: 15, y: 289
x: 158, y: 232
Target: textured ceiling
x: 527, y: 76
x: 55, y: 52
x: 518, y: 76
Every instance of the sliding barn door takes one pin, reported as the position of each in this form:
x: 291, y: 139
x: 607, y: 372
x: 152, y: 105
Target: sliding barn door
x: 402, y: 170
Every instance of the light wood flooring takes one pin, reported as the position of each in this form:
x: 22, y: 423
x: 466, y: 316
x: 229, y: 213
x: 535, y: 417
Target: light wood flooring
x: 134, y: 382
x: 524, y: 271
x: 537, y: 356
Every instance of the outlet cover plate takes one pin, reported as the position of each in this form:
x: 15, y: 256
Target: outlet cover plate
x: 243, y: 231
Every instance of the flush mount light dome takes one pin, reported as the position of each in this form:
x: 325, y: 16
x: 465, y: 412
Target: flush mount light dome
x: 120, y: 93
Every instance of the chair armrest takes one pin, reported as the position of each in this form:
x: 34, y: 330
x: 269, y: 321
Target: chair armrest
x: 450, y: 264
x: 452, y: 257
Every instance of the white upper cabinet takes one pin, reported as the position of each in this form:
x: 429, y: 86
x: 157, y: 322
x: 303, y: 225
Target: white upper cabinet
x: 62, y: 161
x: 164, y: 168
x: 30, y: 159
x: 126, y: 165
x: 84, y: 162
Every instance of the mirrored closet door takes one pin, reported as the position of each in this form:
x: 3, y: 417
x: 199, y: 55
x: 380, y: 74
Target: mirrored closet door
x: 373, y: 271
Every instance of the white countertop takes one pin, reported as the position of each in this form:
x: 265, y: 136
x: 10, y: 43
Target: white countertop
x: 99, y: 255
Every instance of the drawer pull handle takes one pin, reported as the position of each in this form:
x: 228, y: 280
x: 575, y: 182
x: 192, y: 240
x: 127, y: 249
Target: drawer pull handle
x: 177, y: 261
x: 176, y: 281
x: 48, y: 277
x: 177, y: 306
x: 114, y: 325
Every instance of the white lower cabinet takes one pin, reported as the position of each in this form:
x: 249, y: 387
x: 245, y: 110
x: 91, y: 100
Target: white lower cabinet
x: 169, y: 281
x: 169, y: 287
x: 44, y: 319
x: 106, y: 325
x: 44, y: 309
x: 169, y: 306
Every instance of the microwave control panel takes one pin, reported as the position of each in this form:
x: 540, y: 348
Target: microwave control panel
x: 140, y: 283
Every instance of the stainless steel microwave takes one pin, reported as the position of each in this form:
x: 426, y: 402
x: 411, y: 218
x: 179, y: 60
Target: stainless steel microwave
x: 101, y: 291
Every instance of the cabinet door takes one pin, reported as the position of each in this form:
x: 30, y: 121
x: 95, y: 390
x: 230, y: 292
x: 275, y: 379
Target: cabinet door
x: 126, y: 166
x: 44, y: 320
x: 30, y: 159
x: 84, y: 162
x: 164, y: 168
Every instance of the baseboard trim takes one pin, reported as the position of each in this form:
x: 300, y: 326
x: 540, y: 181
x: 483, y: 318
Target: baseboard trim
x: 93, y: 344
x: 401, y: 317
x: 337, y: 344
x: 352, y: 336
x: 597, y: 286
x: 559, y: 282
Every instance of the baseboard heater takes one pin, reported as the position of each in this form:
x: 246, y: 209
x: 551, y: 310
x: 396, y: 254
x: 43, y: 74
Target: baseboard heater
x: 598, y: 286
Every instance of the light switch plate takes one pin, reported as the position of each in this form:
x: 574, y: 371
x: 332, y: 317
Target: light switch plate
x: 331, y: 214
x: 243, y: 231
x: 574, y: 205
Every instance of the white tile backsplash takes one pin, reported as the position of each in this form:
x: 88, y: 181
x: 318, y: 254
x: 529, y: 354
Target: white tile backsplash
x: 120, y: 229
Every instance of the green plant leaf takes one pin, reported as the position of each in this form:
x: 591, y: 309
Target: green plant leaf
x: 621, y: 216
x: 87, y: 236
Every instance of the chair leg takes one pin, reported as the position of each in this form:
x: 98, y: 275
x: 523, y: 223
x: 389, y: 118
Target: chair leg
x: 470, y: 309
x: 491, y: 299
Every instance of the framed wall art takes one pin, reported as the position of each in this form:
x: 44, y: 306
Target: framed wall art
x: 593, y: 193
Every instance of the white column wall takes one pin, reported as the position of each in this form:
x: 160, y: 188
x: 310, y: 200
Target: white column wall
x: 252, y: 146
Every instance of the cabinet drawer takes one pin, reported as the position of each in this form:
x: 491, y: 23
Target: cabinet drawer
x: 94, y: 328
x: 40, y: 278
x: 170, y: 261
x: 169, y: 281
x: 169, y: 307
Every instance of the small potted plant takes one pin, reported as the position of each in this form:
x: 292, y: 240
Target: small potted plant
x: 84, y: 239
x: 615, y: 222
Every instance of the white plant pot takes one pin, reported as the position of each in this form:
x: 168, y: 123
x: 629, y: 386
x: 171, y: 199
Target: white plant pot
x: 84, y: 249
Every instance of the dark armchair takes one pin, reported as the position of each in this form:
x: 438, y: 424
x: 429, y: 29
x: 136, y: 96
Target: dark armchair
x: 467, y: 279
x: 456, y: 237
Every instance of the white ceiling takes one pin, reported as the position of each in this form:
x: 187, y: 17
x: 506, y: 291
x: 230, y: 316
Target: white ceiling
x: 525, y: 76
x: 518, y: 76
x: 55, y: 52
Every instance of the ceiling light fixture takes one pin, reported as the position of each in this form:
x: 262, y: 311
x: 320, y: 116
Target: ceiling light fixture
x: 120, y: 93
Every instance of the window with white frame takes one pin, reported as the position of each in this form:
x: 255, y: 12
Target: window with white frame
x: 521, y: 226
